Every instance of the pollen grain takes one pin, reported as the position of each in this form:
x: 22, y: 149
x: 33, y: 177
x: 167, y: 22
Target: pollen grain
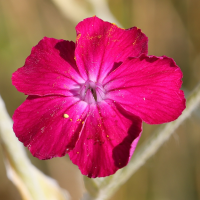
x: 66, y: 115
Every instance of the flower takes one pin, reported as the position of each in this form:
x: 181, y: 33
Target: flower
x: 89, y: 99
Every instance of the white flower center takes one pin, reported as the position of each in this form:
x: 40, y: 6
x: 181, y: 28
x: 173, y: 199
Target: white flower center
x: 91, y: 92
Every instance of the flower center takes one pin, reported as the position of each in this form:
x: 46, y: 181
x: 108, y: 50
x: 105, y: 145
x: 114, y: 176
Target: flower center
x: 94, y: 93
x: 91, y: 92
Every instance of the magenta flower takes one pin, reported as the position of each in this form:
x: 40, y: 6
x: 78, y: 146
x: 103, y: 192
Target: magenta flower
x: 89, y: 99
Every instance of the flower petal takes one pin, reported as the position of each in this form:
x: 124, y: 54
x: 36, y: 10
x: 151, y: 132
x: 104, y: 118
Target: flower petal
x: 107, y: 141
x: 148, y: 87
x: 102, y: 46
x: 49, y: 126
x: 50, y: 69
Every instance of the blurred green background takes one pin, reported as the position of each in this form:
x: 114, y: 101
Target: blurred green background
x: 173, y: 29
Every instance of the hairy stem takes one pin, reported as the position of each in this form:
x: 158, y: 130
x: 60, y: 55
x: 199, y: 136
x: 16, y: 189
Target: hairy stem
x: 102, y: 10
x: 73, y: 10
x: 17, y: 156
x: 31, y: 183
x: 76, y: 12
x: 109, y: 185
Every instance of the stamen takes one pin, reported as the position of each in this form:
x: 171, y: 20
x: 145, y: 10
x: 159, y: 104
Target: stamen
x: 94, y: 93
x: 91, y: 92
